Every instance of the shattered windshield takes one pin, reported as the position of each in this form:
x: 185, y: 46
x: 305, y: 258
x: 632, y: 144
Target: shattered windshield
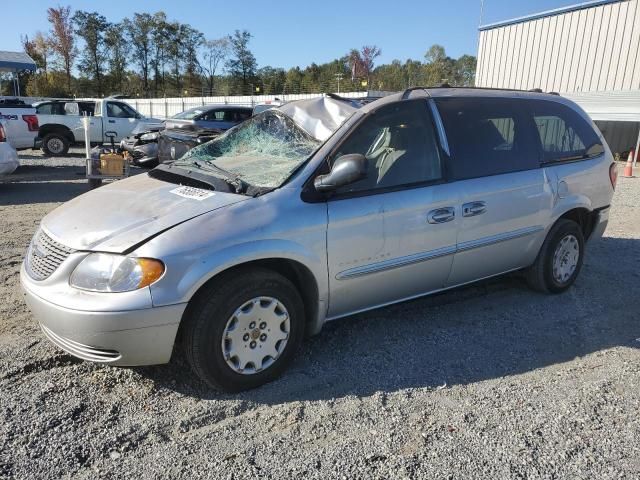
x: 262, y: 152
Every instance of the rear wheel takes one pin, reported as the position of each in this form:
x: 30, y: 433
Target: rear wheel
x: 244, y: 329
x: 560, y: 259
x: 55, y: 144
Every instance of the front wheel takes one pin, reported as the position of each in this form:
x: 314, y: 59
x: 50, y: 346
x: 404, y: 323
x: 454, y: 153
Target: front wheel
x: 560, y: 259
x: 244, y: 329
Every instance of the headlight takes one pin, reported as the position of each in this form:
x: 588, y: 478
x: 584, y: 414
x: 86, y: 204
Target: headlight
x: 149, y: 137
x: 105, y: 272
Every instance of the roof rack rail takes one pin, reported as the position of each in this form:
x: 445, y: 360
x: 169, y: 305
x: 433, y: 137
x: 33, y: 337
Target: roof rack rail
x: 408, y: 91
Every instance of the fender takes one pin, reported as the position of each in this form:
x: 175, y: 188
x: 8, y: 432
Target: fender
x: 186, y: 275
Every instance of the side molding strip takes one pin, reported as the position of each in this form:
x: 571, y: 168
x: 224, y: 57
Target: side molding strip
x: 395, y: 263
x: 433, y: 254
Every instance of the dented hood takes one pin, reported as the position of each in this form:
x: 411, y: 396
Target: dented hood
x: 118, y: 216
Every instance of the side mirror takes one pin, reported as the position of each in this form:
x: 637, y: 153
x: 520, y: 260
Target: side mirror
x: 346, y: 170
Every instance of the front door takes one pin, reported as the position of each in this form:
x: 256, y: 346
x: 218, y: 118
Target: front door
x: 392, y: 235
x: 120, y: 118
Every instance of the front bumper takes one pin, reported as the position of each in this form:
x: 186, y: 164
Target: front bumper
x: 125, y: 338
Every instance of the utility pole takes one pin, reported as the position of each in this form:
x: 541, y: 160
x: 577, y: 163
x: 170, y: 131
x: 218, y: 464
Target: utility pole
x: 338, y: 77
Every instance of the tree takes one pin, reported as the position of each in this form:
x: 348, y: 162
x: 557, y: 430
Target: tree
x: 117, y: 54
x: 368, y: 54
x: 43, y: 47
x: 191, y: 40
x: 161, y: 40
x: 62, y: 39
x: 139, y: 31
x: 466, y: 71
x: 439, y: 68
x: 215, y: 52
x: 91, y: 27
x: 242, y: 66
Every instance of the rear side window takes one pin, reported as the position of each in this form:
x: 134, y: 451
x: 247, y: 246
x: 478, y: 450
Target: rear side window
x: 214, y: 116
x: 51, y: 109
x: 487, y: 136
x: 564, y: 135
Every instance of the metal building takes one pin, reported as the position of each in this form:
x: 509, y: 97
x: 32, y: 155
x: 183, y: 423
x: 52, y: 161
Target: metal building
x: 589, y: 52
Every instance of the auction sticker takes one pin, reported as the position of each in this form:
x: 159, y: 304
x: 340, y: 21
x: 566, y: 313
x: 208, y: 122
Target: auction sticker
x: 192, y: 192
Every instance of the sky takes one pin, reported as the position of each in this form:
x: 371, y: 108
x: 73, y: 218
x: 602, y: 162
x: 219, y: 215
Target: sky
x: 287, y: 33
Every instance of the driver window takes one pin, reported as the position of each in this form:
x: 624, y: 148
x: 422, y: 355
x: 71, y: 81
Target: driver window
x: 119, y: 110
x: 399, y: 143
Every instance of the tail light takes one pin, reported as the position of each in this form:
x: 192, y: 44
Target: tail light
x: 32, y: 122
x: 3, y: 137
x: 613, y: 175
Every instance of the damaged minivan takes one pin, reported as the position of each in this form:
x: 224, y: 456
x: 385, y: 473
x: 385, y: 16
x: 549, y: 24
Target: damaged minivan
x: 314, y: 211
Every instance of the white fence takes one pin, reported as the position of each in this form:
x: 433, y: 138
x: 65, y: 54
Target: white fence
x: 167, y: 107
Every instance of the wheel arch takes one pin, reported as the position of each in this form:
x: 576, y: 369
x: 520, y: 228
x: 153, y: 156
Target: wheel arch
x: 60, y: 129
x: 296, y: 272
x: 581, y: 215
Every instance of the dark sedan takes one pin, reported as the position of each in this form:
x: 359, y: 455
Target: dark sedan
x: 196, y: 126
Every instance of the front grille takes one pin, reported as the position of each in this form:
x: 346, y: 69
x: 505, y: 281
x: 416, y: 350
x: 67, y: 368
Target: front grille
x: 45, y: 255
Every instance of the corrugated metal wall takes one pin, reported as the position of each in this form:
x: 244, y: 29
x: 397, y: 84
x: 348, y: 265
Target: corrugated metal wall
x: 590, y: 49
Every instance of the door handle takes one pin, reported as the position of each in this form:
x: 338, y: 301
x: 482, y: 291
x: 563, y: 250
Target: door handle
x: 441, y: 215
x: 472, y: 209
x: 112, y: 121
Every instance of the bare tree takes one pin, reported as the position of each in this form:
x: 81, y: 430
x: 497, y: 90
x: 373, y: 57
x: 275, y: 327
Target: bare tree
x: 62, y: 38
x: 368, y: 54
x: 215, y: 52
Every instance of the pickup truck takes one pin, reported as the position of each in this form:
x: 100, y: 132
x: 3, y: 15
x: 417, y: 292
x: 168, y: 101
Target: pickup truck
x: 61, y: 122
x: 20, y: 123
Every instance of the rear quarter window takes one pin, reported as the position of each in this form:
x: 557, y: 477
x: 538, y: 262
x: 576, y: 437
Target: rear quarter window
x: 563, y: 134
x: 487, y: 136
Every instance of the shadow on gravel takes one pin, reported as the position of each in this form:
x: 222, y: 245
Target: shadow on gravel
x: 31, y: 184
x: 24, y: 193
x: 43, y: 173
x: 489, y: 330
x: 39, y: 155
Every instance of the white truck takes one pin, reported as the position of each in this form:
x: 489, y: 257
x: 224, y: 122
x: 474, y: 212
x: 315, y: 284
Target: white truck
x: 20, y: 123
x: 61, y: 122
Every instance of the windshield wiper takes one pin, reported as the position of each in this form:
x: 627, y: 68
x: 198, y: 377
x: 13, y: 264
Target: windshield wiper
x: 182, y: 176
x: 233, y: 180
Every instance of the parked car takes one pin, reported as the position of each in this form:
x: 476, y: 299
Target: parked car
x: 20, y: 123
x: 142, y: 145
x: 8, y: 155
x: 268, y: 105
x: 61, y: 122
x: 196, y: 126
x: 315, y: 211
x: 210, y: 117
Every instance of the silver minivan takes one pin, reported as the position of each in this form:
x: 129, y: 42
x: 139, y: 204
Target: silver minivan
x: 314, y: 211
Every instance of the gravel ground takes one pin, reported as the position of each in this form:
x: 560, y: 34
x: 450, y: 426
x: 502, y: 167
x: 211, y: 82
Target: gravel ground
x: 490, y: 381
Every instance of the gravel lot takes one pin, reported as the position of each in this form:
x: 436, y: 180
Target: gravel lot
x: 490, y: 381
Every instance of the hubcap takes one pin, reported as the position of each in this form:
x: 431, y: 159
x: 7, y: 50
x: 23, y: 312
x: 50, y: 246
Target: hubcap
x: 256, y: 335
x: 565, y: 258
x: 55, y: 145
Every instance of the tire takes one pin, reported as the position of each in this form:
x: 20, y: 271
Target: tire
x: 55, y: 144
x: 211, y: 314
x: 541, y: 276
